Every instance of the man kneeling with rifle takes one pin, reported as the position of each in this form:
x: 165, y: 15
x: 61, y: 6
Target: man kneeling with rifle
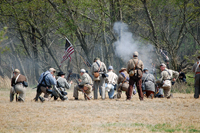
x: 85, y: 86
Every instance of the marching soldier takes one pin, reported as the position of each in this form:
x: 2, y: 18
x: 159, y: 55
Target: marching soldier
x: 196, y: 70
x: 17, y: 83
x: 167, y: 76
x: 134, y: 68
x: 123, y: 82
x: 62, y: 85
x: 148, y: 83
x: 99, y: 71
x: 111, y: 82
x: 85, y: 86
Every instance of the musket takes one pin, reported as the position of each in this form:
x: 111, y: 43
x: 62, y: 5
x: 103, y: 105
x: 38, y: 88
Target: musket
x: 82, y: 89
x: 68, y: 76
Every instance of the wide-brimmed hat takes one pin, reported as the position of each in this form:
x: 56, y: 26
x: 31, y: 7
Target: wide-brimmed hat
x: 122, y: 69
x: 16, y: 71
x: 60, y: 73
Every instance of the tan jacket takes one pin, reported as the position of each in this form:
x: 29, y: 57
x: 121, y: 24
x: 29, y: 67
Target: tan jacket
x: 131, y: 64
x: 20, y: 79
x: 121, y: 77
x: 112, y: 78
x: 86, y: 79
x: 95, y: 67
x: 165, y: 75
x: 196, y: 67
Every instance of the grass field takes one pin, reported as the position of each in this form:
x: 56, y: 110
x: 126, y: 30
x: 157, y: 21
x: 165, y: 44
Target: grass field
x: 180, y: 114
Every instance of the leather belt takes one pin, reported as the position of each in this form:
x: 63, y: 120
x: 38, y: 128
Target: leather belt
x: 197, y: 73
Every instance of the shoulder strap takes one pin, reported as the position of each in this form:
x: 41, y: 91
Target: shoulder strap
x: 168, y: 73
x: 16, y: 78
x: 146, y: 77
x: 135, y: 65
x: 98, y: 65
x: 43, y: 79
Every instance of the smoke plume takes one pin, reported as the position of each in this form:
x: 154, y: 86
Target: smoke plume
x: 126, y: 44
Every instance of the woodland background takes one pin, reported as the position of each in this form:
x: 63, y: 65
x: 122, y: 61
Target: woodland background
x: 32, y: 33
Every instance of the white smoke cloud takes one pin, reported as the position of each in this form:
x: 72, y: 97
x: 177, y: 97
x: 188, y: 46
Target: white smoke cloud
x: 127, y: 44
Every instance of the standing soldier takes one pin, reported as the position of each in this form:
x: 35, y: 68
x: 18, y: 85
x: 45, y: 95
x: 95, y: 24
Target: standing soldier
x: 148, y: 83
x: 196, y: 70
x: 85, y: 86
x: 17, y: 83
x: 123, y: 82
x: 111, y: 82
x: 99, y: 70
x: 134, y: 68
x: 167, y: 76
x: 62, y: 85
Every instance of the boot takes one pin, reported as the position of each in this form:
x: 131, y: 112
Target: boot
x: 41, y: 99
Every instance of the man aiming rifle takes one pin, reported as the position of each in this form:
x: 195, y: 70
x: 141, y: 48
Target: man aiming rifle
x: 85, y: 86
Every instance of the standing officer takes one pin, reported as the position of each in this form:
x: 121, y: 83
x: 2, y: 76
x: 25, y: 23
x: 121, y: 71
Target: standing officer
x: 148, y: 83
x: 123, y: 82
x: 85, y: 84
x: 196, y: 70
x: 99, y: 70
x: 18, y: 86
x: 134, y: 68
x: 167, y: 76
x: 111, y: 82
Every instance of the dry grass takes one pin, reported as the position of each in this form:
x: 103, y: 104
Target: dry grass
x: 5, y: 82
x: 180, y: 114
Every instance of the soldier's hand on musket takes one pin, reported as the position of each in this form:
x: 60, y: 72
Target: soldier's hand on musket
x: 173, y: 79
x: 71, y: 82
x: 79, y: 80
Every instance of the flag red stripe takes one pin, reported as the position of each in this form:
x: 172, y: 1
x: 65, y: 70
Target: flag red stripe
x: 68, y: 53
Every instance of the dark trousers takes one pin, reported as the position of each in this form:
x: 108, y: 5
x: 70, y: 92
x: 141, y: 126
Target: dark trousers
x: 138, y: 82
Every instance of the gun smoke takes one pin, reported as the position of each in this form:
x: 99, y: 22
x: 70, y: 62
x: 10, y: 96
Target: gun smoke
x: 127, y: 44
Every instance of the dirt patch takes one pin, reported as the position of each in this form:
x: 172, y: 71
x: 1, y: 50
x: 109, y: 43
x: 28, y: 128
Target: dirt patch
x: 180, y: 114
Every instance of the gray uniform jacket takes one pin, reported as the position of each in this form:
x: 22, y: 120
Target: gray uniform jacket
x: 95, y: 67
x: 62, y: 83
x: 149, y: 81
x: 86, y: 79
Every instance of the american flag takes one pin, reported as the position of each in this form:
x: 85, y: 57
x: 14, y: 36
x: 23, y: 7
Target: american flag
x: 69, y: 49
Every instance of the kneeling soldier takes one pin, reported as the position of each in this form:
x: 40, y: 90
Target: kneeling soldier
x: 123, y: 82
x: 148, y: 83
x: 62, y: 85
x: 85, y: 86
x: 18, y: 86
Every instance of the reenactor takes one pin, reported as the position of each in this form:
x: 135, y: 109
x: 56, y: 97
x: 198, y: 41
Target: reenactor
x: 111, y: 82
x: 196, y: 70
x: 167, y: 76
x: 62, y: 85
x: 148, y: 83
x: 85, y: 86
x: 45, y: 82
x: 123, y: 82
x: 18, y: 83
x: 134, y: 68
x: 99, y: 71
